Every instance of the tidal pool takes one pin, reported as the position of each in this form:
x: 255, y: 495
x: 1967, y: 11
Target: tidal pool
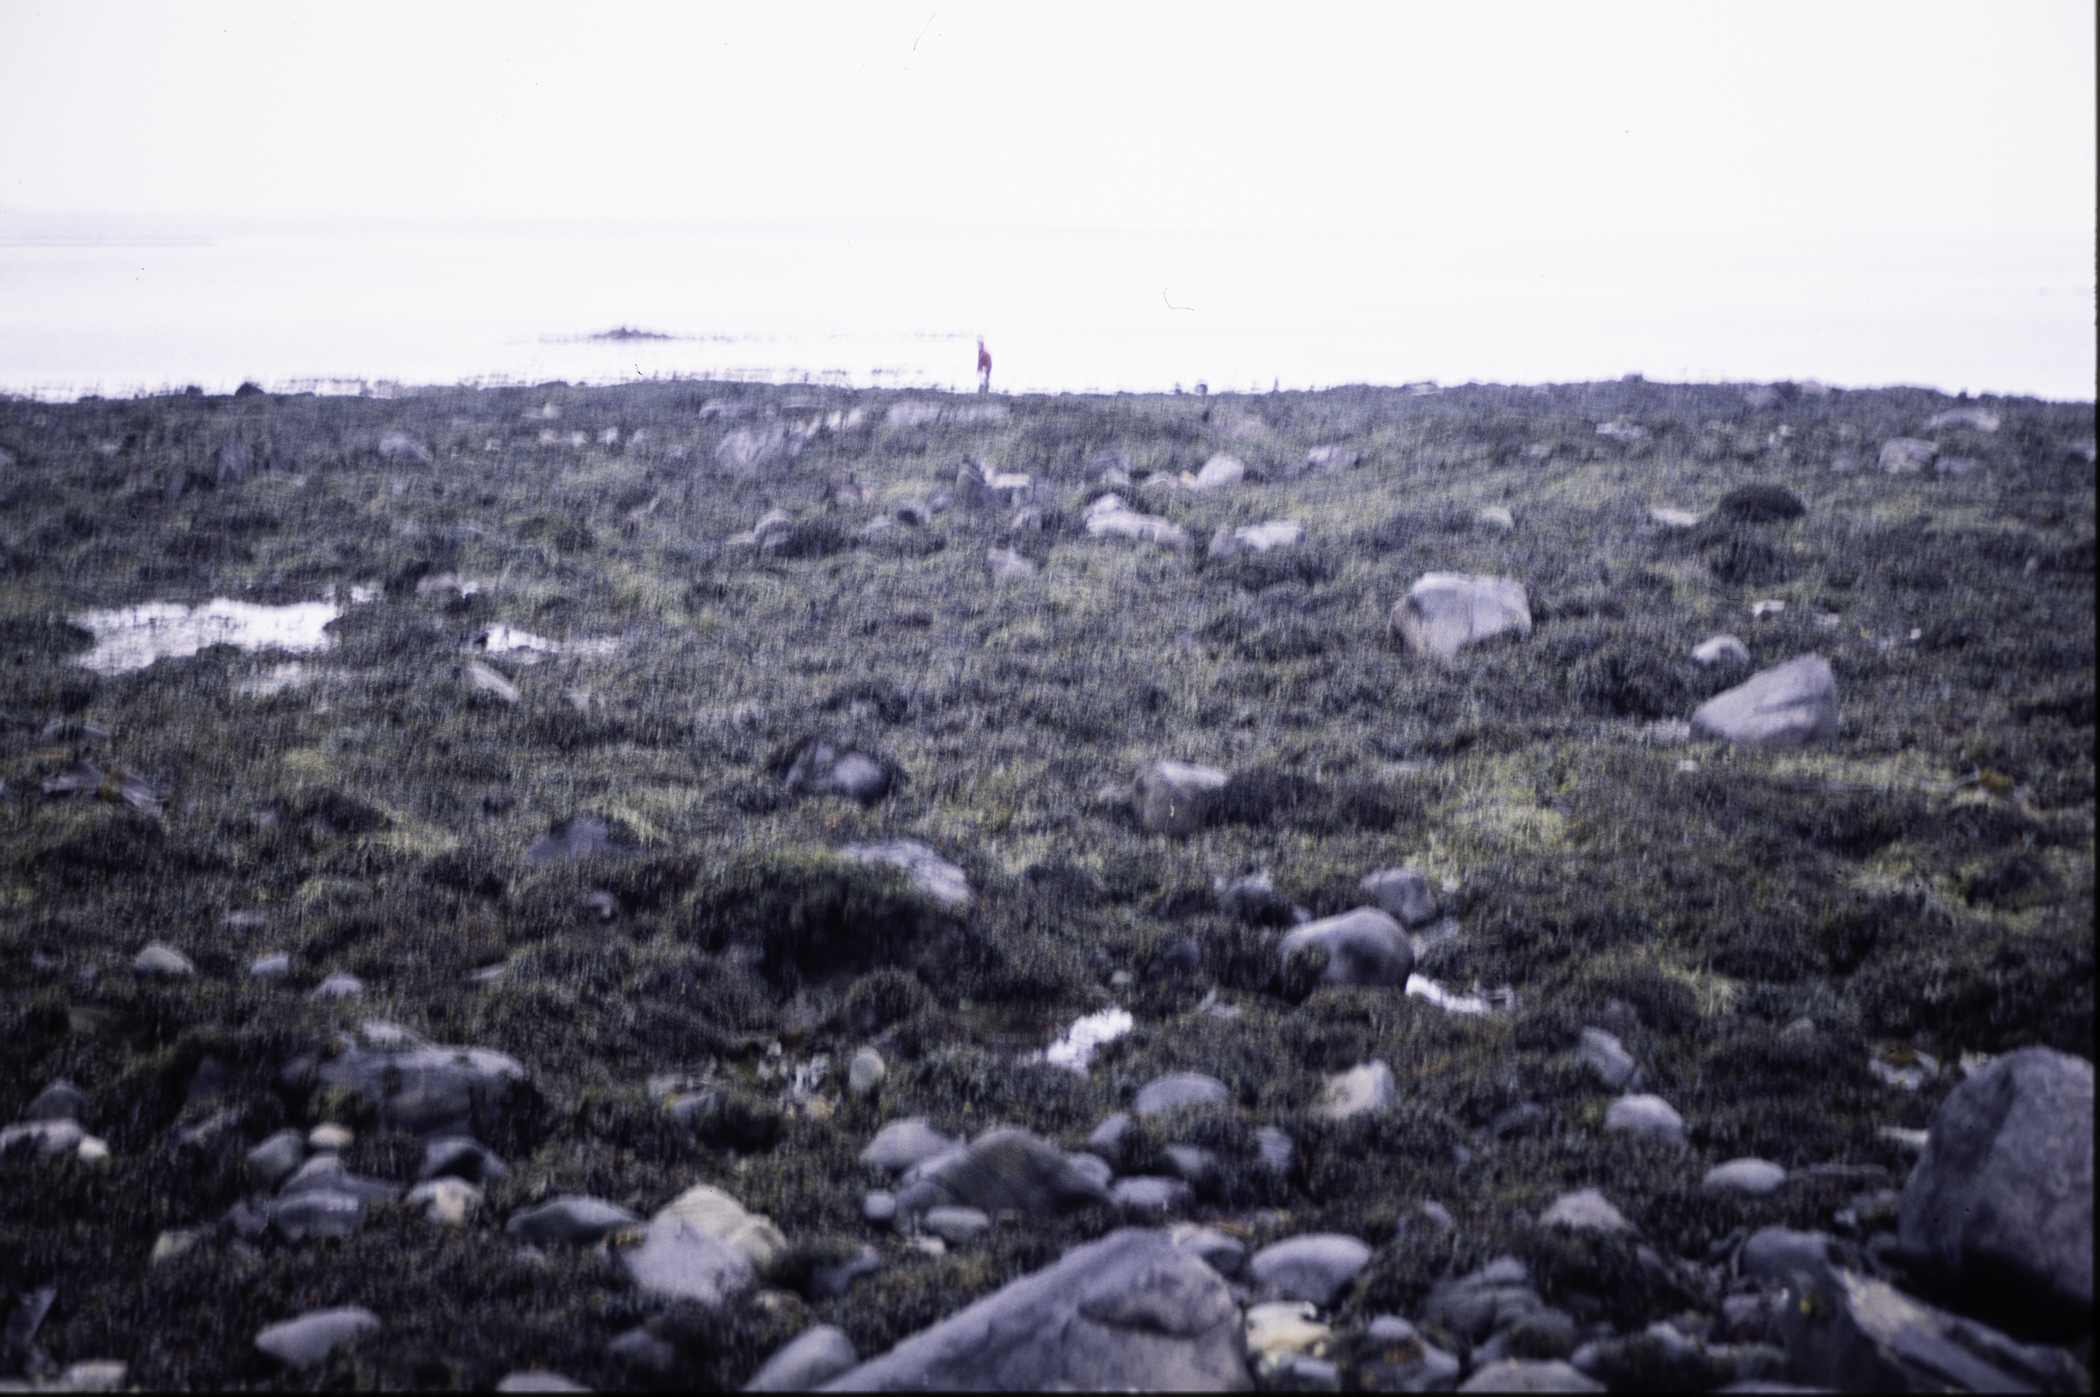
x: 132, y: 637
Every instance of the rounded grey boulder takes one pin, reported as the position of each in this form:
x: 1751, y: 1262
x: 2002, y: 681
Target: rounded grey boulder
x: 2004, y: 1190
x: 1315, y: 1268
x: 305, y: 1341
x: 1364, y: 947
x: 1786, y: 706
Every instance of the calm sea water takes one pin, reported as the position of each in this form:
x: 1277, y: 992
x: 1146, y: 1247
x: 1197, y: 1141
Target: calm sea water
x: 88, y: 309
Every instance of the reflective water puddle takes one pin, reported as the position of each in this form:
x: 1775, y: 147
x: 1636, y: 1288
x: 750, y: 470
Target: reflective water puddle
x: 132, y: 637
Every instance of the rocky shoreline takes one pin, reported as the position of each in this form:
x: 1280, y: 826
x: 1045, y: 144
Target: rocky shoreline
x: 1574, y: 889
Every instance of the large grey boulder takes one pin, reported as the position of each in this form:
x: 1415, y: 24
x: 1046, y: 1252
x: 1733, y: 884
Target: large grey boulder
x: 1848, y: 1333
x: 677, y: 1261
x: 1130, y: 1311
x: 1220, y: 470
x: 1364, y: 947
x: 2003, y: 1192
x: 1177, y: 797
x: 420, y: 1087
x: 1447, y: 610
x: 1001, y: 1169
x: 1785, y: 706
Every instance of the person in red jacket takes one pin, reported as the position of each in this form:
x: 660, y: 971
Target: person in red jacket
x: 984, y: 368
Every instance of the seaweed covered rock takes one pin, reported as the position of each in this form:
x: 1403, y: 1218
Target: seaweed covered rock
x: 2003, y: 1194
x: 1363, y: 947
x: 1446, y: 611
x: 1130, y: 1311
x: 1785, y: 706
x: 423, y: 1088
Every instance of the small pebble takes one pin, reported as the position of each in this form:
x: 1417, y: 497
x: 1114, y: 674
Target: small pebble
x: 330, y: 1137
x: 159, y: 958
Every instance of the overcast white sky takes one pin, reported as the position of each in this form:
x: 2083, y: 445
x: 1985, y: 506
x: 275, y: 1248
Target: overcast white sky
x: 1680, y: 118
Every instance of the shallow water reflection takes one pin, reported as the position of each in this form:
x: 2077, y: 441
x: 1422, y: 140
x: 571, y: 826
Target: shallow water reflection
x: 132, y: 637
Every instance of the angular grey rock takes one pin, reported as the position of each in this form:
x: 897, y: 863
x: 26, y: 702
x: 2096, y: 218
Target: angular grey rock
x: 955, y: 1225
x: 1001, y: 1169
x: 1976, y: 419
x: 341, y: 985
x: 901, y: 1144
x: 1364, y: 947
x: 1529, y: 1375
x: 161, y: 959
x: 1721, y: 649
x: 676, y: 1261
x: 1848, y: 1333
x: 426, y: 1089
x: 1314, y: 1268
x: 572, y: 1218
x: 1178, y: 1089
x: 1177, y: 797
x: 1645, y: 1114
x: 1445, y: 611
x: 1220, y: 470
x: 2004, y: 1190
x: 929, y: 872
x: 1496, y: 1296
x: 1363, y: 1090
x: 1907, y: 455
x: 1151, y: 1196
x: 1131, y: 1310
x: 1775, y: 1253
x: 1585, y: 1210
x: 1753, y: 1178
x: 815, y: 1356
x: 1403, y: 893
x: 1785, y: 706
x: 272, y: 1162
x: 1607, y: 1058
x: 305, y: 1341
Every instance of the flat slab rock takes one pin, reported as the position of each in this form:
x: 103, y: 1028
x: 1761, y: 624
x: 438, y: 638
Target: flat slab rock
x: 1131, y: 1310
